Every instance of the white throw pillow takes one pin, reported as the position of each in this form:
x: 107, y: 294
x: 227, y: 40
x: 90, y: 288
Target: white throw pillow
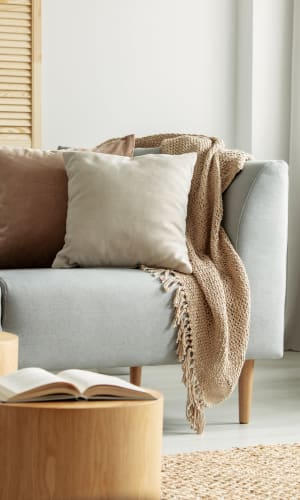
x: 124, y: 212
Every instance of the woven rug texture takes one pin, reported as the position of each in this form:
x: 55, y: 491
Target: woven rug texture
x: 262, y: 472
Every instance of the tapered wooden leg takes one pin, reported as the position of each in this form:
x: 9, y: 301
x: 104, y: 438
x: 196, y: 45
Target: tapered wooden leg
x: 136, y: 375
x: 245, y: 391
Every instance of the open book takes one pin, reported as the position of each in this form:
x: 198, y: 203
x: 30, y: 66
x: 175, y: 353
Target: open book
x: 36, y: 384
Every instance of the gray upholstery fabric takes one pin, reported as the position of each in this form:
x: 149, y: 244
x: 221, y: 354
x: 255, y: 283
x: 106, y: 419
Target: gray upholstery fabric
x: 255, y: 218
x: 146, y: 151
x: 88, y: 317
x: 120, y: 317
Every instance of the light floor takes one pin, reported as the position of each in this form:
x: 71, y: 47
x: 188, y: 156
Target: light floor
x: 275, y: 411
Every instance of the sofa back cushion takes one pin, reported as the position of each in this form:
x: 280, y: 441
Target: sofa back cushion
x: 123, y: 212
x: 33, y: 204
x: 146, y: 151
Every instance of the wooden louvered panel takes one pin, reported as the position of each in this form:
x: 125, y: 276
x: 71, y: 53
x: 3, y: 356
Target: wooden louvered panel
x: 15, y: 123
x: 22, y: 43
x: 25, y: 23
x: 15, y: 65
x: 14, y: 109
x: 11, y: 15
x: 20, y: 59
x: 20, y: 40
x: 16, y: 101
x: 23, y: 30
x: 15, y: 58
x: 23, y: 140
x: 11, y: 34
x: 15, y: 130
x: 15, y: 17
x: 18, y: 51
x: 36, y: 73
x: 16, y: 93
x: 15, y: 72
x: 16, y: 2
x: 15, y: 79
x: 15, y: 86
x: 19, y: 115
x: 7, y: 7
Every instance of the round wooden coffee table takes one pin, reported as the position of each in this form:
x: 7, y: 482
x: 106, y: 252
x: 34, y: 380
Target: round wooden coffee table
x: 9, y: 345
x: 81, y: 450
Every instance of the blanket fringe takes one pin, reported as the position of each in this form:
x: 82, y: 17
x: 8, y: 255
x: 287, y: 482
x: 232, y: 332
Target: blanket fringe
x: 195, y: 405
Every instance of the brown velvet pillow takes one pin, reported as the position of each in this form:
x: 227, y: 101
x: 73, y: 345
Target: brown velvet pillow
x: 33, y: 203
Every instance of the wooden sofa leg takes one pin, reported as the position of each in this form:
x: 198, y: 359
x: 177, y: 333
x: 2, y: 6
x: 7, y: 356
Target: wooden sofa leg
x: 245, y: 391
x: 136, y: 375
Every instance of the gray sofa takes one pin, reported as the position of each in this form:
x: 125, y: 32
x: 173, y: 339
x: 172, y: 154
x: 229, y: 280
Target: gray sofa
x: 89, y: 318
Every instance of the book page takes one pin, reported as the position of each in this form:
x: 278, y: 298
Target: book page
x: 84, y: 379
x: 25, y: 380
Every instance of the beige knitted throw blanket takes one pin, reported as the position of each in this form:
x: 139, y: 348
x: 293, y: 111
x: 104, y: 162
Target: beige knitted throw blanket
x: 211, y: 306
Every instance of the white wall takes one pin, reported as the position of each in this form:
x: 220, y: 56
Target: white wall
x: 293, y: 292
x: 264, y: 77
x: 272, y: 43
x: 113, y: 67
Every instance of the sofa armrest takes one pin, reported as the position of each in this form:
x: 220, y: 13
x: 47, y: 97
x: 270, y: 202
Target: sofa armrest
x: 256, y: 221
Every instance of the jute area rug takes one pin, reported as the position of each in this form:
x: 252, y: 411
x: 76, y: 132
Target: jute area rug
x: 264, y: 472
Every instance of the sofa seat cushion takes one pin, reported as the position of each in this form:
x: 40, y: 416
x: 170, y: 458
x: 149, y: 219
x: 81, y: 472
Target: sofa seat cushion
x: 88, y: 318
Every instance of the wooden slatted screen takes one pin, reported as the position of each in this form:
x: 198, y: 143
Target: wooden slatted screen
x: 20, y: 61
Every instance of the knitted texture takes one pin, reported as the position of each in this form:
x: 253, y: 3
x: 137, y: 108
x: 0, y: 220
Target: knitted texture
x: 212, y: 305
